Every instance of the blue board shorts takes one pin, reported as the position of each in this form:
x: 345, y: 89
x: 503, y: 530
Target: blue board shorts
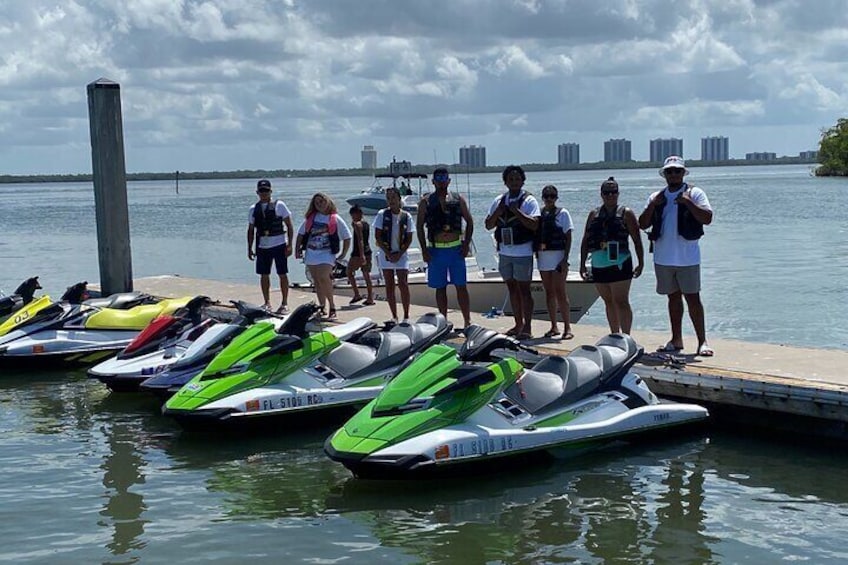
x: 277, y: 255
x: 447, y: 266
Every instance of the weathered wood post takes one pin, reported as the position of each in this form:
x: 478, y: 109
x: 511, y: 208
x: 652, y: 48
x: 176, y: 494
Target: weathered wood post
x: 110, y: 186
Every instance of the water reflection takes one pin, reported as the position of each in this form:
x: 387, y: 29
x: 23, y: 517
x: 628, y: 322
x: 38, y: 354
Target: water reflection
x: 123, y: 510
x: 629, y: 505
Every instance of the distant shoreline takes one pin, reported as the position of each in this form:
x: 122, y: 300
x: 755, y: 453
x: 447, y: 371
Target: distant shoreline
x: 456, y: 169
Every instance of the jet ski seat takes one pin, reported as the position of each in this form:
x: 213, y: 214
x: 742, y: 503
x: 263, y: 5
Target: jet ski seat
x: 349, y: 329
x: 558, y: 381
x: 120, y: 301
x: 135, y: 318
x: 423, y: 329
x: 555, y: 381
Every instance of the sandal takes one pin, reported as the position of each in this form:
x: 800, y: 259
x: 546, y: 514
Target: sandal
x: 552, y: 333
x: 669, y: 348
x: 369, y: 303
x: 523, y: 335
x: 706, y: 351
x: 332, y: 315
x: 356, y: 299
x: 567, y: 335
x: 512, y: 332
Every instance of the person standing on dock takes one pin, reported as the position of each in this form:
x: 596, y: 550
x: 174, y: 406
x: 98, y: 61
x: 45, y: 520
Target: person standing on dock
x: 608, y: 231
x: 553, y: 245
x: 393, y: 234
x: 270, y: 228
x: 446, y: 244
x: 677, y: 216
x: 514, y: 216
x: 360, y: 256
x: 319, y: 239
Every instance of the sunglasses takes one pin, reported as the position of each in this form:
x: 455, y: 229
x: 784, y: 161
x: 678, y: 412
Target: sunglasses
x: 441, y: 178
x: 609, y: 192
x: 549, y: 196
x: 674, y: 171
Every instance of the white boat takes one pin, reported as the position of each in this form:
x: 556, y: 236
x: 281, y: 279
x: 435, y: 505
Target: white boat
x: 487, y: 291
x: 373, y: 199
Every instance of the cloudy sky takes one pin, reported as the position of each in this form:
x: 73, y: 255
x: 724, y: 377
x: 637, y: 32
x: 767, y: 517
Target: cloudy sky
x: 243, y: 84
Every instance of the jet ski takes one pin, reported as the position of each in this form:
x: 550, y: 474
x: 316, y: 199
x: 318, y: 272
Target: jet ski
x: 167, y: 379
x: 22, y: 296
x: 157, y: 346
x: 41, y: 309
x: 318, y: 374
x: 442, y: 414
x: 77, y: 330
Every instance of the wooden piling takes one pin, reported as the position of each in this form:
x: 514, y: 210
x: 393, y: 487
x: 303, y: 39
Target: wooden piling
x: 110, y: 186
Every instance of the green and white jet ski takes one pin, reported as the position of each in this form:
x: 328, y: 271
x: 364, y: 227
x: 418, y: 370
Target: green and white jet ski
x: 342, y: 367
x: 441, y: 413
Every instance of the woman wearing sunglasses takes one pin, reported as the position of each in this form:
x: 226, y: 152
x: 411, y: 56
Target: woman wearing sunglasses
x: 552, y: 245
x: 608, y: 229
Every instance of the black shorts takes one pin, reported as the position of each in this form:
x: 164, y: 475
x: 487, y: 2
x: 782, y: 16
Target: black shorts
x: 613, y: 274
x: 264, y: 258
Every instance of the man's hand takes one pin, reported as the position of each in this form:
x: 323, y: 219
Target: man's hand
x: 466, y: 248
x: 425, y: 255
x: 288, y: 250
x: 250, y: 254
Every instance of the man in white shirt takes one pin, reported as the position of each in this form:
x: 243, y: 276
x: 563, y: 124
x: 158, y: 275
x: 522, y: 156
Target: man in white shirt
x: 676, y: 216
x: 270, y: 226
x: 514, y: 216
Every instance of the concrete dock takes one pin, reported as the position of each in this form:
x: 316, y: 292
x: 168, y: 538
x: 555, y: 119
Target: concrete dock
x: 777, y: 388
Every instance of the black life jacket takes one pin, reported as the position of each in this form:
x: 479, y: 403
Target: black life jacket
x: 549, y: 233
x: 366, y: 241
x: 687, y: 226
x: 386, y: 228
x: 520, y: 233
x: 443, y: 221
x: 266, y: 222
x: 332, y: 233
x: 605, y: 227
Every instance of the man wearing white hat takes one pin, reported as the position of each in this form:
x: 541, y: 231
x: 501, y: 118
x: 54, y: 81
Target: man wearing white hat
x: 677, y: 216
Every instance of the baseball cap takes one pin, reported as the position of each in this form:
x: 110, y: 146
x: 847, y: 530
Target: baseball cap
x: 264, y: 184
x: 673, y: 162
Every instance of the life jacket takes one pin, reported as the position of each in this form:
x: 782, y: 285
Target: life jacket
x: 549, y: 236
x: 332, y: 232
x: 605, y: 227
x: 443, y: 221
x: 687, y: 226
x: 386, y: 228
x: 267, y: 222
x: 520, y: 233
x: 366, y: 238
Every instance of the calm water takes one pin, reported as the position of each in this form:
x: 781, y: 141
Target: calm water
x: 86, y: 476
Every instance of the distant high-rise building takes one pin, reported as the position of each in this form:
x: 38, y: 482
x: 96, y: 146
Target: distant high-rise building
x: 568, y: 153
x: 662, y: 148
x: 715, y: 148
x: 369, y: 157
x: 473, y: 156
x: 617, y: 151
x: 760, y: 156
x: 809, y: 155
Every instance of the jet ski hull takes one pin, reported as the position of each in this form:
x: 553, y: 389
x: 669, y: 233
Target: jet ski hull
x: 63, y: 347
x: 463, y: 449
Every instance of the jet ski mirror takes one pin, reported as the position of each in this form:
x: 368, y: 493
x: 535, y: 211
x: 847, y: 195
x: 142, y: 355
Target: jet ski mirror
x: 27, y: 289
x: 468, y: 376
x: 77, y: 293
x: 295, y: 324
x: 480, y: 342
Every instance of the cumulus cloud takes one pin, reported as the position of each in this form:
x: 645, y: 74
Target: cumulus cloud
x: 206, y: 82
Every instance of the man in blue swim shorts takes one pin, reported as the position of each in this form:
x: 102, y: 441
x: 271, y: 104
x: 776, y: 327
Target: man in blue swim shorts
x: 446, y: 244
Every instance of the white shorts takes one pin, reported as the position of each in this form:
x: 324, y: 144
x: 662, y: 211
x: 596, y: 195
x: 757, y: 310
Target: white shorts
x: 548, y: 260
x: 401, y: 265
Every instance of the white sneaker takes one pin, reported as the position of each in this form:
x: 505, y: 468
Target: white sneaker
x: 405, y: 321
x: 283, y: 309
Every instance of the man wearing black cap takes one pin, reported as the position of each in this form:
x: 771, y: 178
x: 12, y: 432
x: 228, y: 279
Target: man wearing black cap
x: 268, y: 225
